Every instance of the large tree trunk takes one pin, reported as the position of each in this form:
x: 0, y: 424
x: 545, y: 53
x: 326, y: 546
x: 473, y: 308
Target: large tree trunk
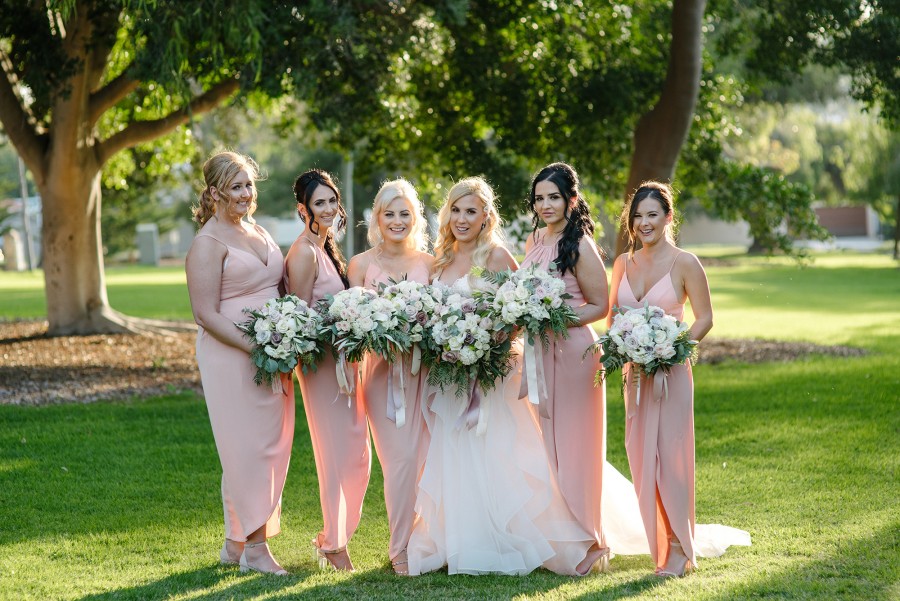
x: 661, y: 132
x: 73, y: 259
x: 74, y: 280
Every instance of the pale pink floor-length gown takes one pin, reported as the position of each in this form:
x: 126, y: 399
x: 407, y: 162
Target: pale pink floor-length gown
x: 401, y: 449
x: 573, y: 422
x: 252, y: 425
x: 339, y: 433
x: 659, y: 439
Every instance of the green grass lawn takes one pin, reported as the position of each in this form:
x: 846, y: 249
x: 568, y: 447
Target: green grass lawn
x: 120, y: 500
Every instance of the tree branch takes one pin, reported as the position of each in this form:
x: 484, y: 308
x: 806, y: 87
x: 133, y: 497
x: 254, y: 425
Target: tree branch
x: 17, y: 121
x: 144, y: 131
x: 109, y: 95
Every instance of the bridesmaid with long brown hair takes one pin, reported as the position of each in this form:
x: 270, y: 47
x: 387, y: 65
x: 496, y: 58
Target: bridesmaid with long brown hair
x: 337, y: 421
x: 659, y: 432
x: 390, y: 392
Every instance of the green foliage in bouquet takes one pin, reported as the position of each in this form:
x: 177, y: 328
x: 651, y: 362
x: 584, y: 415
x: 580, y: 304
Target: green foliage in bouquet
x: 465, y: 344
x: 541, y: 311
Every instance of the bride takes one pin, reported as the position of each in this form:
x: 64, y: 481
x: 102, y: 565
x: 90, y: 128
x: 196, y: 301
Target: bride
x: 487, y: 502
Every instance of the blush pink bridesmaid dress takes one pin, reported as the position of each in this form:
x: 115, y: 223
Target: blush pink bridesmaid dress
x: 659, y: 438
x: 252, y: 425
x: 401, y: 448
x: 339, y: 433
x: 573, y: 422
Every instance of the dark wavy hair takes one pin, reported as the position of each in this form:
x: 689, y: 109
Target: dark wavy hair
x: 578, y: 217
x: 304, y: 187
x: 649, y: 189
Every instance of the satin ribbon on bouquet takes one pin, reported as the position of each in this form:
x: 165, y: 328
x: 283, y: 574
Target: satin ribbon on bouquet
x: 345, y: 384
x: 535, y: 379
x: 396, y: 392
x: 278, y: 386
x: 659, y: 383
x: 396, y: 385
x: 472, y: 414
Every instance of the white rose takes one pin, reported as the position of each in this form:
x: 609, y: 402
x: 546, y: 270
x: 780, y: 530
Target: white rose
x: 286, y: 324
x: 263, y: 337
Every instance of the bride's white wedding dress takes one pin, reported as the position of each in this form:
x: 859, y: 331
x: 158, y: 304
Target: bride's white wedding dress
x: 489, y: 504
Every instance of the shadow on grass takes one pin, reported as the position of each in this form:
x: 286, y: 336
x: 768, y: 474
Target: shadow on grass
x: 205, y: 584
x: 862, y: 568
x: 195, y: 582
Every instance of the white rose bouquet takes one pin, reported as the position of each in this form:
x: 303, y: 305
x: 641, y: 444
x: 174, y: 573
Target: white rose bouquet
x: 646, y: 337
x: 532, y: 299
x: 415, y: 304
x: 357, y: 320
x: 285, y: 332
x: 464, y: 343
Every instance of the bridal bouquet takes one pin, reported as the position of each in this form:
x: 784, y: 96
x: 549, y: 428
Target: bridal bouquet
x: 532, y: 299
x: 285, y: 332
x: 464, y: 344
x: 357, y: 320
x: 646, y: 337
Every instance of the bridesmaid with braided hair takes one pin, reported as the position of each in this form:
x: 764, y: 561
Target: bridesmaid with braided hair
x: 337, y: 421
x: 572, y: 412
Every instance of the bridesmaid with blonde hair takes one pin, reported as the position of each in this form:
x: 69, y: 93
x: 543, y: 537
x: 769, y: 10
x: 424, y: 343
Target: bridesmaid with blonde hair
x: 573, y: 414
x: 659, y: 433
x: 392, y: 393
x: 337, y: 420
x: 233, y: 263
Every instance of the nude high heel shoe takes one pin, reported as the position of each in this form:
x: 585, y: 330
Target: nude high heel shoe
x: 324, y: 561
x: 677, y: 565
x: 229, y: 558
x: 246, y: 566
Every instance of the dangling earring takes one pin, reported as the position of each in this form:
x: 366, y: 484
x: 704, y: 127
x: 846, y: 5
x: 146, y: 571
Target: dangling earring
x: 482, y: 225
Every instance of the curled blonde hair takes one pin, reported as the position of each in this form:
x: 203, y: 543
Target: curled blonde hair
x: 491, y: 235
x: 390, y: 190
x: 218, y: 172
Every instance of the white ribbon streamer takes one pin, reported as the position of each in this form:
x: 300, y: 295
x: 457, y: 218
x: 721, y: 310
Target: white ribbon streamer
x: 535, y: 379
x: 345, y: 384
x: 396, y: 393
